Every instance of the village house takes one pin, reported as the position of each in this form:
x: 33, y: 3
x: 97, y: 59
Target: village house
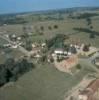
x: 60, y: 51
x: 35, y: 51
x: 18, y: 38
x: 91, y: 91
x: 43, y: 45
x: 35, y: 45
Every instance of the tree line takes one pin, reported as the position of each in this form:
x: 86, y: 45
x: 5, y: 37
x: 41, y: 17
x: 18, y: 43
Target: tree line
x: 11, y: 70
x: 12, y: 20
x: 57, y: 41
x: 92, y: 33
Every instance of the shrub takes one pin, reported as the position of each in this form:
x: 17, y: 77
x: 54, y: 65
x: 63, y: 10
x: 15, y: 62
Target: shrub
x: 78, y: 66
x: 55, y: 26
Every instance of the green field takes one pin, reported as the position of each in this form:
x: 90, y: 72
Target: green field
x: 44, y: 83
x: 64, y: 27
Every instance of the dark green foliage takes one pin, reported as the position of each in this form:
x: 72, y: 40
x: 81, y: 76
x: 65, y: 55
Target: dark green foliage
x: 9, y: 63
x: 9, y: 75
x: 87, y: 30
x: 12, y: 20
x: 91, y: 27
x: 49, y: 27
x: 86, y: 48
x: 43, y: 58
x: 55, y: 26
x: 92, y: 36
x: 51, y: 60
x: 88, y: 20
x: 11, y: 70
x: 71, y: 98
x: 73, y: 50
x: 57, y: 41
x: 41, y: 33
x: 79, y: 66
x: 58, y: 59
x: 87, y: 15
x: 42, y: 28
x: 28, y: 45
x: 3, y: 75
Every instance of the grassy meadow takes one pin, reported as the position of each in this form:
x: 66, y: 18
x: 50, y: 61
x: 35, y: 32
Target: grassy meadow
x: 43, y: 83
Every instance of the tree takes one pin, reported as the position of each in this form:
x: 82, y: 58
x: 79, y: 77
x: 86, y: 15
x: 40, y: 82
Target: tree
x: 71, y: 98
x: 28, y: 45
x: 9, y: 64
x: 9, y: 75
x: 57, y: 41
x: 49, y: 27
x: 11, y: 70
x: 73, y: 50
x: 42, y: 28
x: 92, y: 36
x: 25, y: 31
x: 43, y: 58
x: 86, y: 48
x: 58, y: 59
x: 79, y: 66
x: 89, y: 22
x: 91, y: 27
x: 3, y: 74
x: 41, y: 33
x: 55, y: 26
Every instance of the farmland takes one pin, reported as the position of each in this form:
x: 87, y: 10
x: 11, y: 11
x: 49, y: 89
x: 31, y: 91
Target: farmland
x: 45, y: 82
x: 64, y: 27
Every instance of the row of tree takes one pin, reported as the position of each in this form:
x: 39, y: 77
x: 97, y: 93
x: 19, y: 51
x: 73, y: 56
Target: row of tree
x: 12, y: 20
x: 83, y: 15
x: 49, y: 27
x: 57, y: 41
x: 92, y: 33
